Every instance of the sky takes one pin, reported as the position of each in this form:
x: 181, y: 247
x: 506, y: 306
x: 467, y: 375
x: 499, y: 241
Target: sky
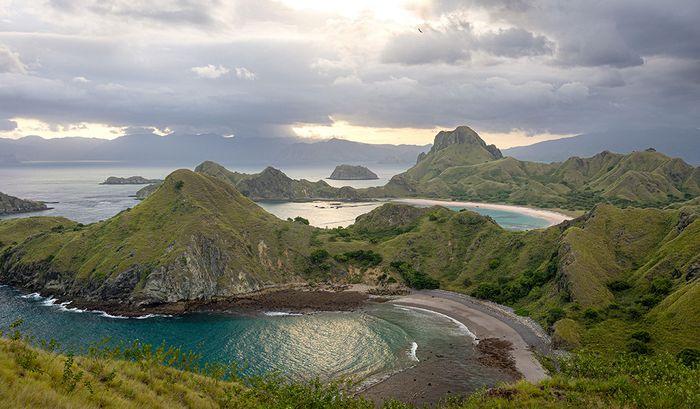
x: 389, y: 71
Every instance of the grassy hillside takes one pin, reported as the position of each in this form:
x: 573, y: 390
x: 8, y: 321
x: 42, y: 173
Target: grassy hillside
x: 594, y: 280
x: 461, y: 166
x: 196, y: 237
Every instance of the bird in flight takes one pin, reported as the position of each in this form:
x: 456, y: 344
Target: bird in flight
x: 420, y: 31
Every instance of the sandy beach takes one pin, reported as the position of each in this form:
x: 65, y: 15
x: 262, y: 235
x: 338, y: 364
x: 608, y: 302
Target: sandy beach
x: 507, y: 343
x: 552, y: 217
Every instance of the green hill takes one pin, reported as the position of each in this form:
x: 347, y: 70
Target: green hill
x: 612, y: 271
x: 273, y: 184
x: 462, y: 166
x: 195, y: 238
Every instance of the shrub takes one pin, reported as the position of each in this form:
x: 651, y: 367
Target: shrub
x: 661, y: 286
x: 363, y: 258
x: 642, y: 336
x: 301, y: 220
x: 413, y: 278
x: 639, y: 347
x: 179, y: 184
x: 487, y: 291
x: 466, y: 282
x: 689, y: 357
x: 554, y: 315
x: 318, y: 256
x: 619, y: 285
x: 591, y: 314
x: 494, y: 263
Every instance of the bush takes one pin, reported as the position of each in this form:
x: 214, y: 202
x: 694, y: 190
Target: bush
x: 689, y: 357
x: 487, y: 291
x: 363, y: 258
x: 554, y: 315
x: 661, y: 286
x: 413, y: 278
x: 639, y: 347
x: 466, y: 282
x: 619, y: 285
x: 318, y: 256
x: 301, y: 220
x: 641, y: 336
x: 591, y: 314
x: 494, y: 263
x: 179, y: 184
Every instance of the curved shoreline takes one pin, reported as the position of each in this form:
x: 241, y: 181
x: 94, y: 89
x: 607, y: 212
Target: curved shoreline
x: 488, y: 320
x: 552, y: 217
x: 510, y: 339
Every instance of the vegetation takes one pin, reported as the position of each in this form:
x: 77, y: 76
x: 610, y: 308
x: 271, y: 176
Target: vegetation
x: 462, y: 167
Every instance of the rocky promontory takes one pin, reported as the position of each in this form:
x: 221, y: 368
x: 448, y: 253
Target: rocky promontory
x: 351, y: 172
x: 146, y: 191
x: 10, y: 205
x: 132, y: 180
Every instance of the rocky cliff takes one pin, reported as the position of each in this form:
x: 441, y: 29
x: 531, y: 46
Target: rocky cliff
x: 10, y: 204
x: 195, y: 238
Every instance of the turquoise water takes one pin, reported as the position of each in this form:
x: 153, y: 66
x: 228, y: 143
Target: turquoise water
x: 364, y: 344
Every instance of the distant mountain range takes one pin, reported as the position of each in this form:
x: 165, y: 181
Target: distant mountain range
x: 180, y: 148
x: 675, y: 142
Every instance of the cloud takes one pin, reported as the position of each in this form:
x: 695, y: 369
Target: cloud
x: 535, y: 65
x: 211, y: 71
x: 455, y: 42
x: 245, y: 74
x: 7, y: 125
x: 514, y: 42
x: 10, y: 62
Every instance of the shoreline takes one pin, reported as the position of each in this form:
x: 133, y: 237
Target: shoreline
x: 488, y: 321
x: 498, y: 344
x: 552, y: 217
x: 504, y: 342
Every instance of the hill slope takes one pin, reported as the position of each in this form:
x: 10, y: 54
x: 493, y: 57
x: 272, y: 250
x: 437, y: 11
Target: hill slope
x: 195, y: 238
x: 675, y: 142
x: 612, y: 271
x: 461, y: 166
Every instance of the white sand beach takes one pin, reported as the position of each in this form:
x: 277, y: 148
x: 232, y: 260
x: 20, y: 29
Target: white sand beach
x: 550, y: 216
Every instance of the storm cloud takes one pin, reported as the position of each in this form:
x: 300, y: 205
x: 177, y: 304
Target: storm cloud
x: 257, y: 68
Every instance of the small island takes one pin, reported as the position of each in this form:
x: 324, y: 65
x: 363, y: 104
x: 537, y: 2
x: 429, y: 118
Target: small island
x: 352, y: 172
x: 11, y: 205
x: 132, y: 180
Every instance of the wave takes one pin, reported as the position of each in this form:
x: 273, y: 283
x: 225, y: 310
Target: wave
x: 461, y: 326
x: 412, y: 352
x: 50, y: 301
x: 281, y: 314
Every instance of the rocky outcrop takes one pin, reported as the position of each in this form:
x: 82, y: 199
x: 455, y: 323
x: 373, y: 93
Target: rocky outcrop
x: 10, y: 205
x: 273, y: 184
x: 132, y: 180
x: 463, y: 135
x: 146, y: 191
x: 350, y: 172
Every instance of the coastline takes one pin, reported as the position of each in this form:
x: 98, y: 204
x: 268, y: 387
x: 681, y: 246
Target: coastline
x: 552, y: 217
x: 504, y: 341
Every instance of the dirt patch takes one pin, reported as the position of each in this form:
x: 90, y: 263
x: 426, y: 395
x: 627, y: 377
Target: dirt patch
x: 496, y: 353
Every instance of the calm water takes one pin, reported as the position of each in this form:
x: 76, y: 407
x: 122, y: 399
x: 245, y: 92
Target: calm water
x: 79, y: 196
x: 364, y: 344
